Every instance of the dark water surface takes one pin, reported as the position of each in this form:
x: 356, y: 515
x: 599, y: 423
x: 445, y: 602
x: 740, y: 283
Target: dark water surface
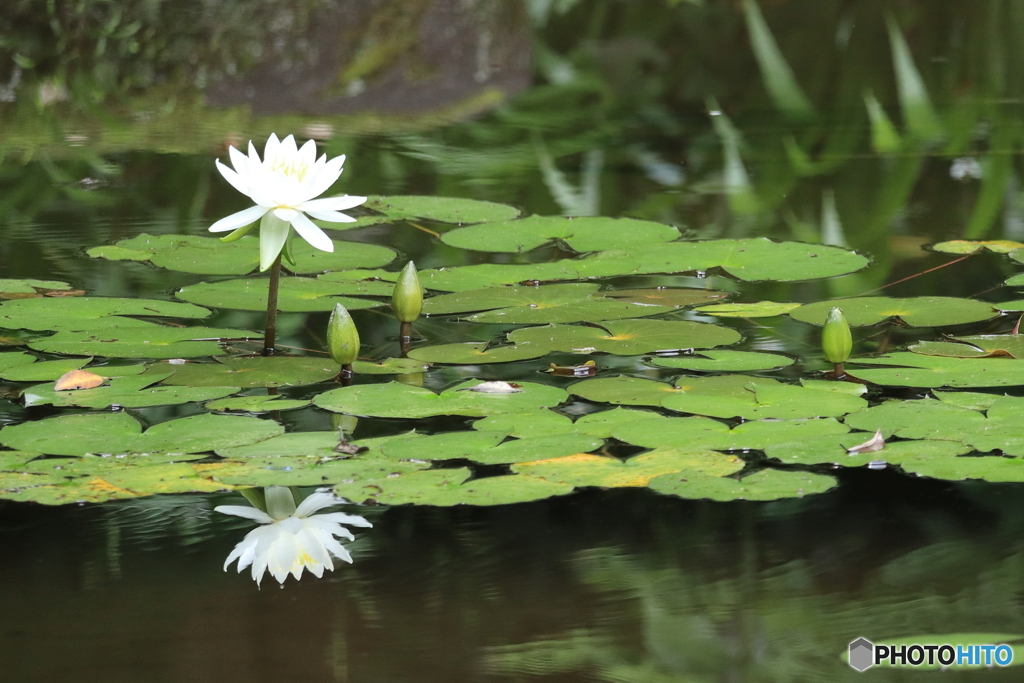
x: 106, y: 133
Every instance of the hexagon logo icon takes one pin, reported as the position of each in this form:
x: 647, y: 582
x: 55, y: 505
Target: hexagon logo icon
x: 862, y: 653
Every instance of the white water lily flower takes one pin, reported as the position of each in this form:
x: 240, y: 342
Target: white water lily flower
x: 291, y: 538
x: 285, y: 186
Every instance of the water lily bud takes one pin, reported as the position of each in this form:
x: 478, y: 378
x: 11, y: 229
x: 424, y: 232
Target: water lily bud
x: 342, y: 336
x: 836, y: 340
x: 408, y: 297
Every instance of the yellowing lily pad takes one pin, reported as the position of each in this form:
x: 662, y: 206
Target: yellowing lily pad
x: 971, y: 246
x: 638, y: 471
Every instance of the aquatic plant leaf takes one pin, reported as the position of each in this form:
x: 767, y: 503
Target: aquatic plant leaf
x: 595, y: 309
x: 885, y: 139
x: 27, y: 287
x: 676, y: 297
x: 971, y: 400
x: 295, y: 294
x: 946, y: 348
x: 485, y: 447
x: 542, y: 422
x: 708, y: 434
x: 918, y: 114
x: 920, y: 419
x: 638, y: 471
x: 589, y: 233
x: 776, y: 73
x: 257, y: 404
x: 921, y: 311
x: 761, y: 399
x: 395, y: 399
x: 13, y: 359
x: 604, y: 422
x: 978, y: 346
x: 211, y: 256
x: 78, y: 379
x: 918, y: 370
x: 461, y: 278
x: 119, y: 433
x: 626, y: 337
x: 389, y: 366
x: 750, y: 260
x: 17, y: 337
x: 442, y: 209
x: 831, y: 449
x: 90, y: 313
x: 248, y: 372
x: 446, y: 446
x: 127, y: 392
x: 449, y: 487
x: 724, y: 361
x: 990, y: 468
x: 626, y: 390
x: 473, y: 353
x: 142, y: 342
x: 41, y: 371
x: 319, y: 444
x: 1003, y: 430
x: 760, y: 309
x: 851, y: 388
x: 971, y: 246
x: 298, y: 470
x: 764, y: 485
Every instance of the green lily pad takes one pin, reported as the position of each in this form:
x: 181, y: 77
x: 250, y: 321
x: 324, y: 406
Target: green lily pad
x: 541, y: 422
x: 485, y: 447
x: 979, y: 346
x: 971, y: 246
x: 295, y: 294
x: 13, y: 359
x: 677, y: 297
x: 119, y: 433
x: 483, y: 275
x: 211, y: 256
x: 17, y: 337
x: 971, y: 400
x: 626, y: 390
x: 764, y: 485
x: 318, y: 445
x: 989, y: 468
x: 766, y: 399
x: 626, y: 337
x: 256, y: 404
x: 752, y: 259
x: 830, y: 449
x: 724, y: 361
x: 1003, y: 430
x: 390, y: 366
x: 922, y: 311
x: 760, y: 309
x: 640, y: 470
x: 918, y: 370
x: 442, y: 209
x: 11, y: 288
x: 41, y: 371
x: 297, y: 470
x: 127, y: 392
x: 580, y: 234
x: 604, y: 422
x: 452, y: 487
x: 141, y: 342
x: 706, y: 434
x: 248, y: 372
x: 395, y: 399
x: 922, y: 419
x: 90, y: 313
x: 474, y: 353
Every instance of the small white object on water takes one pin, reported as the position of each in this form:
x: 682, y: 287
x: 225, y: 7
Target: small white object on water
x: 495, y: 388
x: 872, y: 445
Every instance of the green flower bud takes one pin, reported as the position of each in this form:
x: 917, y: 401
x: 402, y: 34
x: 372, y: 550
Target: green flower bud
x: 408, y: 297
x: 342, y: 336
x: 836, y: 340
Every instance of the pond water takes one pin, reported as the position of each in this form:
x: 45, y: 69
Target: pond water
x: 870, y: 126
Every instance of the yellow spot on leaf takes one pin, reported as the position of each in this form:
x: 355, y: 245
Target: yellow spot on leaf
x: 78, y: 379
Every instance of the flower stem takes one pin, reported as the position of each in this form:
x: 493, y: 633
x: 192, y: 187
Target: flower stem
x: 405, y: 338
x: 346, y: 375
x: 270, y: 334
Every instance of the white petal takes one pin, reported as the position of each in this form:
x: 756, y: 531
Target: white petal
x: 307, y: 153
x: 287, y: 215
x: 332, y: 216
x: 328, y: 527
x: 239, y: 161
x: 288, y: 148
x: 311, y: 233
x: 342, y: 518
x: 232, y: 177
x: 327, y: 176
x: 316, y: 501
x: 254, y: 157
x: 338, y: 550
x: 332, y: 203
x: 239, y: 220
x: 273, y: 235
x: 270, y: 150
x: 280, y: 502
x: 245, y: 511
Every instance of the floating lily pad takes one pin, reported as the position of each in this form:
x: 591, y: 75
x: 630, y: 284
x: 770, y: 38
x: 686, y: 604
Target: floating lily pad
x: 119, y: 433
x: 724, y: 361
x: 248, y: 372
x: 971, y: 400
x: 971, y: 246
x: 389, y: 366
x: 13, y: 359
x: 483, y: 275
x: 760, y: 309
x: 211, y: 256
x: 580, y: 233
x: 142, y: 342
x: 17, y: 337
x: 624, y: 390
x: 542, y: 422
x: 918, y: 370
x: 677, y: 297
x: 295, y: 294
x: 924, y: 419
x: 127, y: 392
x: 486, y: 447
x: 256, y: 404
x: 706, y: 434
x: 1003, y: 430
x: 401, y: 400
x: 41, y: 371
x: 831, y: 449
x: 604, y: 422
x: 922, y: 311
x: 442, y: 209
x: 595, y: 470
x: 764, y: 485
x: 626, y: 337
x: 989, y: 468
x: 90, y: 313
x: 763, y: 399
x: 319, y: 445
x: 452, y: 487
x: 17, y: 289
x: 475, y: 353
x: 980, y: 346
x: 297, y: 470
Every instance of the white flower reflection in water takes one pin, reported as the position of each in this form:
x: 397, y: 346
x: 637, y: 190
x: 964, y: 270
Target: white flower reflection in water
x: 291, y: 538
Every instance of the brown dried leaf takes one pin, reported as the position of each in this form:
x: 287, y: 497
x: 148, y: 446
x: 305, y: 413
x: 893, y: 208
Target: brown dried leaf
x: 872, y: 445
x: 78, y: 379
